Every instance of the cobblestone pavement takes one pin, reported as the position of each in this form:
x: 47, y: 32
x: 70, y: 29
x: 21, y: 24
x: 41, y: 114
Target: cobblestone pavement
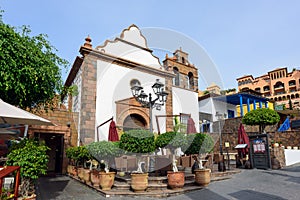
x: 249, y: 184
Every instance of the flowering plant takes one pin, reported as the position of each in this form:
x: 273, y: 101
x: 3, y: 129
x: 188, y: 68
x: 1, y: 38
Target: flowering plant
x: 6, y: 194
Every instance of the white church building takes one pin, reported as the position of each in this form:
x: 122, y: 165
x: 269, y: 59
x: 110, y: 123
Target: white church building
x: 104, y: 76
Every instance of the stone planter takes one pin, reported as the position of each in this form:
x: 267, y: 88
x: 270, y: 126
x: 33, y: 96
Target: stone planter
x: 106, y: 180
x: 176, y: 179
x: 95, y: 178
x: 202, y: 176
x: 139, y: 182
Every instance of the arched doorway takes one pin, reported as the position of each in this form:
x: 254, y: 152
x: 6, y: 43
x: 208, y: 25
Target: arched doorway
x: 134, y: 121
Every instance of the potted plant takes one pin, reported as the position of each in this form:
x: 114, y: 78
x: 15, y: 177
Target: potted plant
x: 138, y: 142
x: 104, y: 152
x: 32, y: 157
x: 81, y: 155
x: 71, y: 169
x: 173, y: 140
x: 201, y: 144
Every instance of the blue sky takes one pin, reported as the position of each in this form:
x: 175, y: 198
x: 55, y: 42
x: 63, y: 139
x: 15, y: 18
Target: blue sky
x: 240, y: 37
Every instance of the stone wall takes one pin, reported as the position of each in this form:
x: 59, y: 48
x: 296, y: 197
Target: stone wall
x: 230, y: 134
x: 277, y: 157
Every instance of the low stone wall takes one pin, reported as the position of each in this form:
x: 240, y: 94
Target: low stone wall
x: 277, y: 157
x: 229, y: 130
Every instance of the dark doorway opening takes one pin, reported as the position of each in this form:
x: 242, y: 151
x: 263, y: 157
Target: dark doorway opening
x: 56, y: 144
x: 134, y: 121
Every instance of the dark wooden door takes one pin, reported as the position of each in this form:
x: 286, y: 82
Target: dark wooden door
x: 259, y: 151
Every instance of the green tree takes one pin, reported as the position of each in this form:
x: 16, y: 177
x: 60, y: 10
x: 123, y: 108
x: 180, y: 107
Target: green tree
x: 32, y: 157
x: 261, y: 117
x: 30, y: 69
x: 290, y: 104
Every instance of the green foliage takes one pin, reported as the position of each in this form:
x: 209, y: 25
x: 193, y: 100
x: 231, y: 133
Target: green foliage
x: 30, y: 69
x: 78, y: 154
x: 138, y: 141
x: 199, y: 143
x: 261, y: 117
x: 206, y: 92
x: 171, y: 140
x: 70, y: 152
x: 103, y: 150
x: 290, y: 104
x: 31, y: 156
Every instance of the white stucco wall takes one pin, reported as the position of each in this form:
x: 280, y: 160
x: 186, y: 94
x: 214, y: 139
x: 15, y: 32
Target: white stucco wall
x: 113, y: 81
x: 186, y: 101
x: 113, y: 84
x: 211, y: 106
x: 222, y: 108
x: 130, y: 52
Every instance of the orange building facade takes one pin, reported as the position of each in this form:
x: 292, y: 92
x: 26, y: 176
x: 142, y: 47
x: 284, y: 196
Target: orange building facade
x: 278, y: 85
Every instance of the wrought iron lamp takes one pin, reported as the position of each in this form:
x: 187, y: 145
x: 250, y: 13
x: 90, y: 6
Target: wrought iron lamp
x: 147, y: 101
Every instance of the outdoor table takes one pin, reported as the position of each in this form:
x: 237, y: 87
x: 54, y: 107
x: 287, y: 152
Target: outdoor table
x: 6, y: 171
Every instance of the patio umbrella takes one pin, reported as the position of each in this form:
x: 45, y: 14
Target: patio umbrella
x: 10, y: 114
x: 113, y: 134
x: 191, y: 126
x: 243, y: 139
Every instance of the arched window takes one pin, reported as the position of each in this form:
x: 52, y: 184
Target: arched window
x: 284, y: 98
x: 257, y: 89
x: 183, y: 60
x: 191, y: 80
x: 279, y: 98
x: 266, y: 88
x: 292, y: 82
x: 244, y: 89
x: 297, y: 95
x: 292, y: 96
x: 176, y: 80
x: 279, y: 84
x: 134, y: 82
x: 275, y: 99
x: 288, y: 96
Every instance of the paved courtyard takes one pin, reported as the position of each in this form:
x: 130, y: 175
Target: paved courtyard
x: 249, y: 184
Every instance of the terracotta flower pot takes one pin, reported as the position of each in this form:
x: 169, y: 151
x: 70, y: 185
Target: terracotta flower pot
x: 139, y: 182
x: 202, y: 176
x: 80, y: 173
x: 106, y: 180
x: 176, y: 179
x: 69, y: 169
x: 87, y: 176
x: 95, y: 178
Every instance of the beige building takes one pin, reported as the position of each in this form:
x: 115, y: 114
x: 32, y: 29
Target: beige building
x: 278, y: 85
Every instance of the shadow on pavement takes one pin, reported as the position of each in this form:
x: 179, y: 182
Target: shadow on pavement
x: 293, y: 168
x: 53, y: 186
x: 250, y: 195
x: 205, y: 194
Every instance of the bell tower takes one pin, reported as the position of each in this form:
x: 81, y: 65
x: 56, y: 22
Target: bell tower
x: 186, y: 74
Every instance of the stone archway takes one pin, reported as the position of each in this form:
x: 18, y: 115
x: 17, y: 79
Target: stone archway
x: 134, y: 121
x: 132, y: 114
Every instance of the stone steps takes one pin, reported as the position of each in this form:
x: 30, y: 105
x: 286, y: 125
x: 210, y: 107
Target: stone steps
x: 157, y: 186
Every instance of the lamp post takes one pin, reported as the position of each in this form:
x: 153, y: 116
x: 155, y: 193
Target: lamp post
x: 148, y: 102
x: 221, y: 165
x: 141, y: 96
